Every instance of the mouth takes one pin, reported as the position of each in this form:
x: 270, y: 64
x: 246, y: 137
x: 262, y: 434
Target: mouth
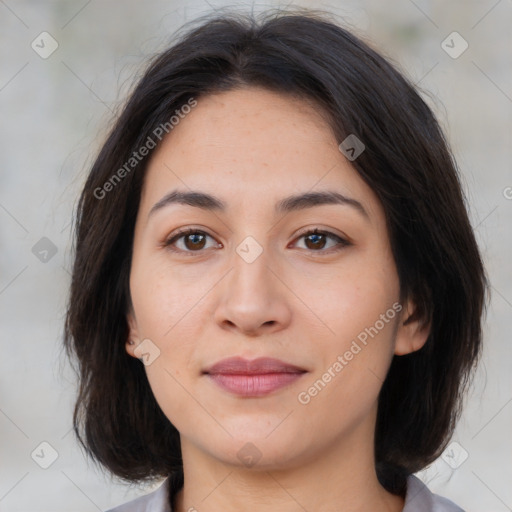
x: 259, y: 377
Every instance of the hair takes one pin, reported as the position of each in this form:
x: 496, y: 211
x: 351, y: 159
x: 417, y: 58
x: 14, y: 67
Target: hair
x: 406, y: 162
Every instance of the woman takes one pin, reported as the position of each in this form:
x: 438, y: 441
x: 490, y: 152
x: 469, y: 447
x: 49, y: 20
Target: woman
x: 277, y: 295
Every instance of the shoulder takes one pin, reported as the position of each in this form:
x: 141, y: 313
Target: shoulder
x: 419, y: 499
x: 156, y: 501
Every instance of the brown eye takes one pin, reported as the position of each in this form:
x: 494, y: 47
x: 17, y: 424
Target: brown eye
x: 316, y: 241
x: 192, y: 240
x: 196, y: 241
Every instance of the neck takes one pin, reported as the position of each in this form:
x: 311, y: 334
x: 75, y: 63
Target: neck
x: 341, y: 478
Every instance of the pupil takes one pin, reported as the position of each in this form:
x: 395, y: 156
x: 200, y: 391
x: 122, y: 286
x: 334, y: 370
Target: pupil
x: 194, y: 236
x: 315, y: 238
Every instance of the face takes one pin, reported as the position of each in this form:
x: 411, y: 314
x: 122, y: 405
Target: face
x: 253, y: 280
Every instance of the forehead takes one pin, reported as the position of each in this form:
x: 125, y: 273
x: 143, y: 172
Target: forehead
x: 251, y: 145
x: 252, y: 123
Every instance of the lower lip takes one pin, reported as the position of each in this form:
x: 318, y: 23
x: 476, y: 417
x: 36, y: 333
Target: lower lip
x: 254, y: 385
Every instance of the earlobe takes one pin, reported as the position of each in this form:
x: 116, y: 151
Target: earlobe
x: 412, y: 332
x: 130, y: 348
x: 133, y: 337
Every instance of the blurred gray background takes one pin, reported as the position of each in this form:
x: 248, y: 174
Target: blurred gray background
x: 66, y: 65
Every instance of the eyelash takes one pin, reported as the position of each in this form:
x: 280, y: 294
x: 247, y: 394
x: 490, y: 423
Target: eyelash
x: 188, y: 231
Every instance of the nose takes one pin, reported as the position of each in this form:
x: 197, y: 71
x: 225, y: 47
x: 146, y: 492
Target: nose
x: 253, y: 299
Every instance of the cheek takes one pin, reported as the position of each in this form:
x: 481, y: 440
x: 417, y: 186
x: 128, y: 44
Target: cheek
x: 172, y: 374
x: 345, y: 387
x: 358, y: 307
x: 169, y: 394
x: 163, y: 297
x: 166, y: 302
x: 349, y: 297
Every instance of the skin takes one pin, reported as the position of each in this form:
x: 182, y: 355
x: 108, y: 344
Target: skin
x: 303, y: 303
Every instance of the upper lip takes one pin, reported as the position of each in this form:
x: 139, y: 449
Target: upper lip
x: 261, y: 365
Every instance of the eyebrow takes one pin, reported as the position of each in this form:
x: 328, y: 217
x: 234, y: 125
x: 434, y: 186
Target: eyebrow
x: 206, y: 201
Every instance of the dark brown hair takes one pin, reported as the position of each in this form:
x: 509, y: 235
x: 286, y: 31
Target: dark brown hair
x: 406, y: 162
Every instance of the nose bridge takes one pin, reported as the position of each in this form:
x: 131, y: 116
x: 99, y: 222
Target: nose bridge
x: 252, y: 297
x: 251, y: 268
x: 252, y: 253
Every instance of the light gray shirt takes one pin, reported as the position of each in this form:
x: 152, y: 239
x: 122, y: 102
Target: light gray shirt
x: 417, y: 499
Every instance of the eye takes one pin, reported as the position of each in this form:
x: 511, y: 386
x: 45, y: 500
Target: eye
x: 193, y: 240
x: 316, y: 240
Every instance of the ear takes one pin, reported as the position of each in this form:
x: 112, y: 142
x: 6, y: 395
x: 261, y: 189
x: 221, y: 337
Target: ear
x: 133, y: 335
x: 412, y: 331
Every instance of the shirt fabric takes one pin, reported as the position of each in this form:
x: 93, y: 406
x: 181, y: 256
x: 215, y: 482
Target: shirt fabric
x: 418, y: 498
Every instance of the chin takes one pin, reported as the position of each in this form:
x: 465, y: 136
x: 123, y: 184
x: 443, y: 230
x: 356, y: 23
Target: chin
x: 256, y: 449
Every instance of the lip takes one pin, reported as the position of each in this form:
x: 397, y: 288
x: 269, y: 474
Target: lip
x: 257, y: 377
x: 259, y: 366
